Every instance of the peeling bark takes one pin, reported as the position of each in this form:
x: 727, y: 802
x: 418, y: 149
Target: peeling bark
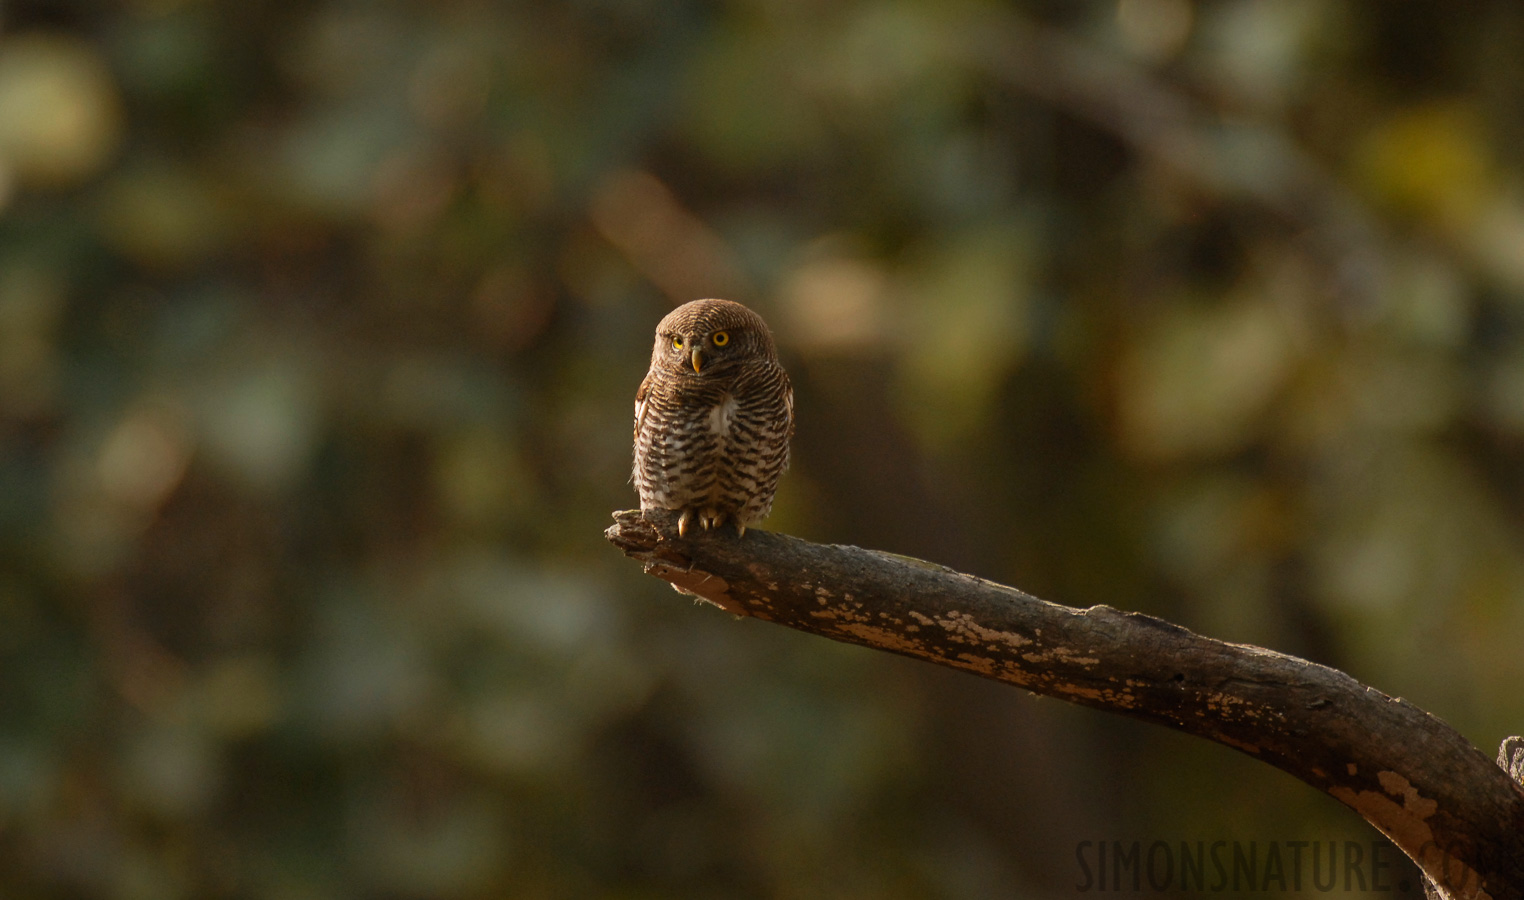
x: 1438, y: 798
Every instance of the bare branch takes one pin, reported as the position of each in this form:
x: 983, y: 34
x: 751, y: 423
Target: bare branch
x: 1439, y: 799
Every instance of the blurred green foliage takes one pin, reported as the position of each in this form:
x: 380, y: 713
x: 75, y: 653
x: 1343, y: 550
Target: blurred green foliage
x: 320, y: 324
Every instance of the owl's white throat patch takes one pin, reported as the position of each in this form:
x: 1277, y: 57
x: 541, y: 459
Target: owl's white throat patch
x: 721, y: 414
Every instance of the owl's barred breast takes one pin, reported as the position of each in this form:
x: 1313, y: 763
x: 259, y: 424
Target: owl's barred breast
x: 706, y: 450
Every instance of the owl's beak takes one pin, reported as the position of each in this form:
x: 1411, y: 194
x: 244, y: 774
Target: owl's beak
x: 698, y: 360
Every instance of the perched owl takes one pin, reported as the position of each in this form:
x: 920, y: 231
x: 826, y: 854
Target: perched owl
x: 713, y: 417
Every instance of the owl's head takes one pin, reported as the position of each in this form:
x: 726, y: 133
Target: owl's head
x: 711, y: 337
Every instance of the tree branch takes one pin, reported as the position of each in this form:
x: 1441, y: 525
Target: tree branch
x: 1439, y: 799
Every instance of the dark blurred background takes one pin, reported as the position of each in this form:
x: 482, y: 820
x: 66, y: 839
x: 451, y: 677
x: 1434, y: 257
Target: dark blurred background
x: 320, y: 325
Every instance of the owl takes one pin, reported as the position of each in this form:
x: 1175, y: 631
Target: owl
x: 713, y: 417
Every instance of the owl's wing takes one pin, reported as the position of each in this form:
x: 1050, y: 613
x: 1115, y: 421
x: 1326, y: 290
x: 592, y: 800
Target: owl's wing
x: 640, y: 403
x: 788, y: 402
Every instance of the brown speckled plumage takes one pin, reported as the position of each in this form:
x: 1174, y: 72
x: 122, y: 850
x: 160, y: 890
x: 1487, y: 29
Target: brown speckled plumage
x: 713, y: 417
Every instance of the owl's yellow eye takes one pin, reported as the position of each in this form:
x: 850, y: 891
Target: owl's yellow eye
x: 677, y: 343
x: 721, y: 338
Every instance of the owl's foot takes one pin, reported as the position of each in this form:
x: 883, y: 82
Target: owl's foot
x: 706, y: 518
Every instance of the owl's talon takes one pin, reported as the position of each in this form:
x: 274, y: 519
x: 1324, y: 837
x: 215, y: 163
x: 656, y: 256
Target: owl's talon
x: 682, y: 523
x: 740, y: 530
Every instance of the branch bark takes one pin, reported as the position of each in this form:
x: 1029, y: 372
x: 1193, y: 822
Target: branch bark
x: 1442, y: 801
